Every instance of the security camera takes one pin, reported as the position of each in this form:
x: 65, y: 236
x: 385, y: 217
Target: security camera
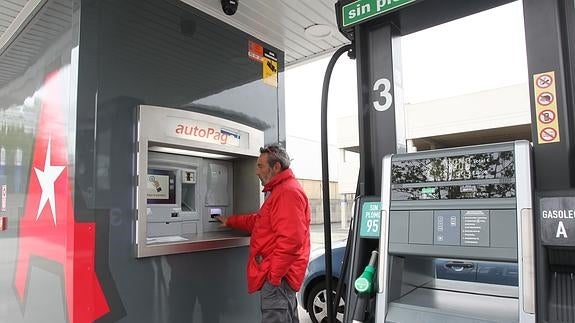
x: 230, y: 6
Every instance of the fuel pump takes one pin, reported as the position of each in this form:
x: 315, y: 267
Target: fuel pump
x: 468, y: 204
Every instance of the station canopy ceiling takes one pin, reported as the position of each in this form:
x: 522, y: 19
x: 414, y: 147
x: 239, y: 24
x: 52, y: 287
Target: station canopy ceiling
x: 303, y: 29
x: 281, y: 23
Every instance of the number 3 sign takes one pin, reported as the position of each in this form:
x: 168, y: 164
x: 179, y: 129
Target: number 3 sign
x: 384, y: 94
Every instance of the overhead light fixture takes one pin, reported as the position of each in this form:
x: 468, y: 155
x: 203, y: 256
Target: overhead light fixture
x: 318, y: 31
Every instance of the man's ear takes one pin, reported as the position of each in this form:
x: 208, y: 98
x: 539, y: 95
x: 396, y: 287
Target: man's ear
x: 277, y: 167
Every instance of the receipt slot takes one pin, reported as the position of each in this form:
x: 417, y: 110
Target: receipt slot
x: 467, y: 205
x: 192, y: 168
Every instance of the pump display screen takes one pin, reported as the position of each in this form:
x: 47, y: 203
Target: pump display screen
x: 497, y: 165
x: 161, y: 186
x: 474, y: 176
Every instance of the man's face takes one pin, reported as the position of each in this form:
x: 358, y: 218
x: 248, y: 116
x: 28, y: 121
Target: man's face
x: 264, y: 171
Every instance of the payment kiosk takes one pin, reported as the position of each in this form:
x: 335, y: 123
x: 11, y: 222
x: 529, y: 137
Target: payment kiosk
x: 191, y: 168
x: 464, y: 204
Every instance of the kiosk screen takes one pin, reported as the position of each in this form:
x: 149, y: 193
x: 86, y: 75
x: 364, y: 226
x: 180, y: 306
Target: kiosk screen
x: 161, y: 186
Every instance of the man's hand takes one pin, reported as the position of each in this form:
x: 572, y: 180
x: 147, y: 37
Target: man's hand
x: 223, y: 219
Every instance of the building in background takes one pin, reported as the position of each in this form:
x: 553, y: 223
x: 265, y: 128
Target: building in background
x: 464, y: 83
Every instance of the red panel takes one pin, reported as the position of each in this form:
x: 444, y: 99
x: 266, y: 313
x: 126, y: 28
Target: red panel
x: 48, y: 228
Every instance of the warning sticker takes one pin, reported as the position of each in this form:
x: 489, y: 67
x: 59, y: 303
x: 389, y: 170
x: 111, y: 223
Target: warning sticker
x: 544, y: 81
x: 255, y: 51
x: 270, y: 72
x: 270, y: 68
x: 545, y: 98
x: 548, y: 134
x: 546, y: 108
x: 546, y: 116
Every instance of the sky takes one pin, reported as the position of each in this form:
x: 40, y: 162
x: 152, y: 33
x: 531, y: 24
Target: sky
x: 472, y: 54
x: 479, y: 52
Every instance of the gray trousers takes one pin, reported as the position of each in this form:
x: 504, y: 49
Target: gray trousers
x: 279, y: 304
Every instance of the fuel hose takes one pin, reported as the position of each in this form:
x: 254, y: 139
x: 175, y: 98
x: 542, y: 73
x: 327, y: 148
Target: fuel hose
x: 325, y: 181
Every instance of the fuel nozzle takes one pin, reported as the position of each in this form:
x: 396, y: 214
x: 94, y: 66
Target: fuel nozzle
x: 364, y: 283
x: 364, y: 287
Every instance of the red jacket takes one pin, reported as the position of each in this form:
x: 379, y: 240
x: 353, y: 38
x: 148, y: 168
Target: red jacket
x: 279, y: 245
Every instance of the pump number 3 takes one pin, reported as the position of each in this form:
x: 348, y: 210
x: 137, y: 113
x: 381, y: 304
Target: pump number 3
x: 383, y: 87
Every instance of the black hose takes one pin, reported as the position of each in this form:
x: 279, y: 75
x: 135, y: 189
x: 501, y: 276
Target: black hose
x: 347, y: 254
x: 344, y: 266
x: 325, y: 180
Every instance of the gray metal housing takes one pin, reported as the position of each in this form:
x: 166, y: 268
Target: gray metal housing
x: 501, y: 230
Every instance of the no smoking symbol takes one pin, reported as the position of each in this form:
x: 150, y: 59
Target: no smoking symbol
x: 548, y: 134
x: 545, y: 98
x: 546, y: 116
x: 544, y: 81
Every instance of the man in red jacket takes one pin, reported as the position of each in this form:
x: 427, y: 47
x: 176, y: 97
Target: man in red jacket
x: 279, y: 246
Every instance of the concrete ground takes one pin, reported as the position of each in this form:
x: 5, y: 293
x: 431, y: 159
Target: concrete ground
x: 317, y: 236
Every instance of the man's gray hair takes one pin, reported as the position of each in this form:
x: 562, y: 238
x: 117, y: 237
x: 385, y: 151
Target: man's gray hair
x: 278, y: 154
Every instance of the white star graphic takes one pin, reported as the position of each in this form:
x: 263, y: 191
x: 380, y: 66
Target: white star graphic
x: 47, y: 177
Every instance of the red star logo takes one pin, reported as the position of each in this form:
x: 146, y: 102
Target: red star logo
x: 48, y: 228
